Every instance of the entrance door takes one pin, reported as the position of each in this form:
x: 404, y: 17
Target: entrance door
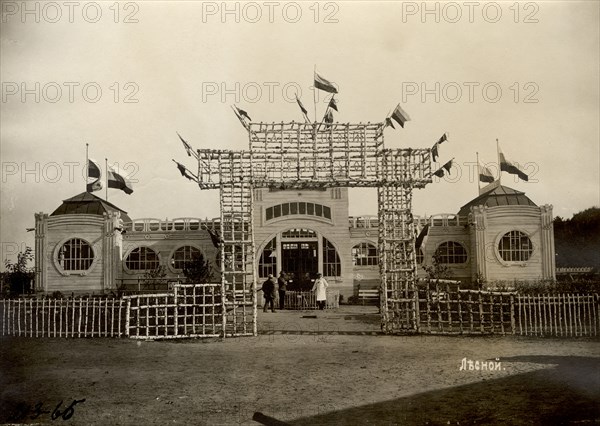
x: 300, y: 260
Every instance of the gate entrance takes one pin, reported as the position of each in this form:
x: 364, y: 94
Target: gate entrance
x: 300, y: 262
x: 312, y: 155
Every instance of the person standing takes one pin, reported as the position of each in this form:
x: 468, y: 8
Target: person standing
x: 320, y: 289
x: 268, y: 289
x: 282, y: 281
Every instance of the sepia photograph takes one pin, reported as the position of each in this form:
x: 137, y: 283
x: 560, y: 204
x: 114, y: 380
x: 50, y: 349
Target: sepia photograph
x: 300, y: 212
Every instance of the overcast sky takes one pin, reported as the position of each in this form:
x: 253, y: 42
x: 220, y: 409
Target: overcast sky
x: 526, y: 73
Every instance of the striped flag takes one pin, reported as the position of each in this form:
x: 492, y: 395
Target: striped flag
x: 324, y: 84
x: 118, y: 179
x: 94, y: 169
x: 400, y: 116
x: 507, y: 166
x: 389, y: 122
x: 95, y: 186
x: 485, y: 174
x: 333, y: 104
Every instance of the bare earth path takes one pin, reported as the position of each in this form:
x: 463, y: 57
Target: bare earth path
x: 333, y: 369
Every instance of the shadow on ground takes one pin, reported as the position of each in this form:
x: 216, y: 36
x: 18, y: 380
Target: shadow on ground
x: 566, y: 392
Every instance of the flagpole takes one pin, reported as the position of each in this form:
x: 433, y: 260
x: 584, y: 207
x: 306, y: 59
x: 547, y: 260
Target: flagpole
x: 315, y: 91
x: 106, y: 177
x: 477, y: 172
x: 87, y: 166
x: 499, y: 167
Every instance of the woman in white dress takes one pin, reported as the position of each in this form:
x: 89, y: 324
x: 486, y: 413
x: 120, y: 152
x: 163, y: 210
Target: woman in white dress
x: 320, y: 289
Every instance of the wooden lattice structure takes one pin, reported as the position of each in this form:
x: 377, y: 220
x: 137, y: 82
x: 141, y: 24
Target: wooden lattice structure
x: 317, y: 155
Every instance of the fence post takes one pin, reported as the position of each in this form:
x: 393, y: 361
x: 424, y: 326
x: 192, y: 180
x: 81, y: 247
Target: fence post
x: 513, y: 324
x: 481, y: 320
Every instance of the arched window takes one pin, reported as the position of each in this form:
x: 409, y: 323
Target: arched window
x: 299, y: 233
x: 142, y: 259
x: 451, y: 252
x: 298, y: 208
x: 364, y: 254
x: 76, y: 255
x: 515, y: 246
x: 268, y: 260
x: 332, y: 266
x: 184, y: 254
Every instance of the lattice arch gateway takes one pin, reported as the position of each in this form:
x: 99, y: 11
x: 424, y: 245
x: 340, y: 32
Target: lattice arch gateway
x: 315, y: 156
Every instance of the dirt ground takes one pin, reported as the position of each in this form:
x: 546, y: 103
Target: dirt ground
x: 333, y: 369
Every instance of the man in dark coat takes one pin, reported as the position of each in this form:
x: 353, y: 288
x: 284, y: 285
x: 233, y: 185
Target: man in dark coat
x: 282, y: 281
x: 268, y: 289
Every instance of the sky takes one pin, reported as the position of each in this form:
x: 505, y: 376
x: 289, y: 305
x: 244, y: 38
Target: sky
x: 125, y: 77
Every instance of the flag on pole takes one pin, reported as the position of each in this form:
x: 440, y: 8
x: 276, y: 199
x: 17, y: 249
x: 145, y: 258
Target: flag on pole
x: 184, y: 171
x: 187, y: 146
x: 389, y: 122
x: 95, y: 186
x: 333, y: 104
x: 485, y: 174
x: 94, y: 171
x: 304, y: 110
x: 328, y: 117
x: 443, y: 138
x: 440, y: 172
x: 448, y: 166
x: 324, y: 84
x: 400, y: 116
x: 118, y: 179
x: 434, y: 151
x: 507, y: 166
x: 242, y: 113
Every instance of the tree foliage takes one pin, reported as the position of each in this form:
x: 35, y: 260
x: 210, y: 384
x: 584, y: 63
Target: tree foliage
x: 197, y: 270
x: 18, y: 276
x: 154, y: 278
x: 437, y: 269
x: 577, y: 240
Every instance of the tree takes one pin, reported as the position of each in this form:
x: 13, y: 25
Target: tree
x: 154, y: 277
x: 197, y: 270
x: 577, y: 240
x: 18, y: 276
x: 437, y: 269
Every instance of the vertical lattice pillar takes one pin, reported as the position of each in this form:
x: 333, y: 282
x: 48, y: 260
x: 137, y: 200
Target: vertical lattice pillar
x: 237, y: 250
x: 397, y: 260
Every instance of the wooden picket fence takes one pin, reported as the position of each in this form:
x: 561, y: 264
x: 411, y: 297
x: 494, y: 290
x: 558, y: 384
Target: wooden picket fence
x: 72, y: 317
x: 192, y: 310
x: 307, y: 300
x: 447, y: 309
x: 557, y: 315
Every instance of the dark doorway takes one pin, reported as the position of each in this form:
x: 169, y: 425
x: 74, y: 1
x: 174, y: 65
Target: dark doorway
x: 300, y: 260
